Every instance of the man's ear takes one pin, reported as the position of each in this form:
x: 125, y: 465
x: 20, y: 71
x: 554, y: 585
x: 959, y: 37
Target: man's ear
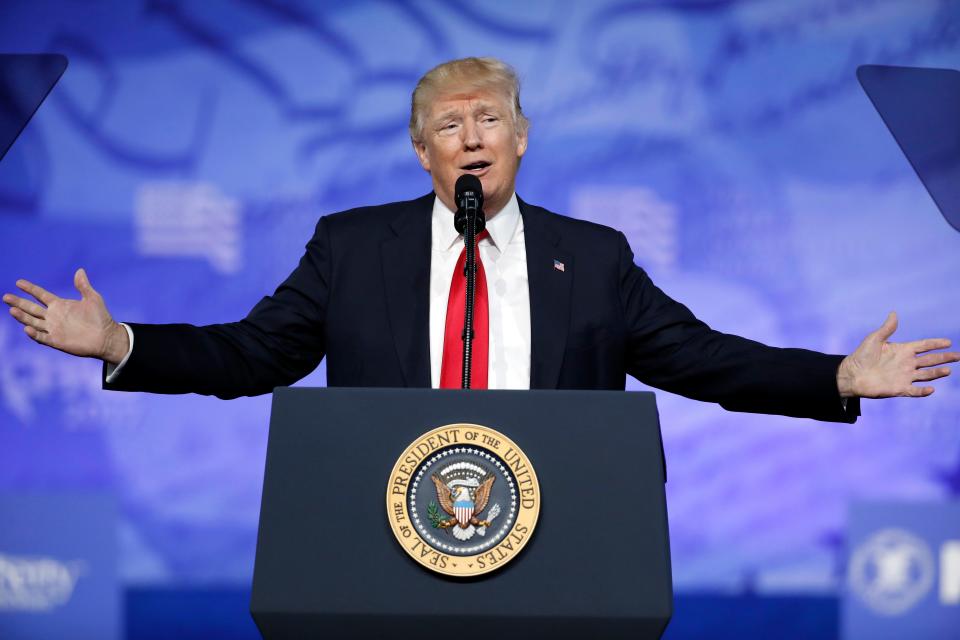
x: 421, y: 151
x: 521, y: 143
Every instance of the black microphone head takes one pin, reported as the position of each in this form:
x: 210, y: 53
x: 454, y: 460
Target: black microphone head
x: 467, y: 184
x: 469, y: 197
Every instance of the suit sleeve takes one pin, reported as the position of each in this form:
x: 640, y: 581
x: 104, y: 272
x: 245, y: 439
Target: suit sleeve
x: 280, y: 341
x: 669, y: 348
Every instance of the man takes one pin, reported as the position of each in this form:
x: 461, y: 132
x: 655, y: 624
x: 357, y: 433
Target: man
x: 563, y: 304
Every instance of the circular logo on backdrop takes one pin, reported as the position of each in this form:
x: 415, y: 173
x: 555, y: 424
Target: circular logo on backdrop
x: 463, y: 500
x: 891, y: 571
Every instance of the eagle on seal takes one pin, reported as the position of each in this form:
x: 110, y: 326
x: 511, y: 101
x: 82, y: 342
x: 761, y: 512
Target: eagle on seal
x: 457, y: 501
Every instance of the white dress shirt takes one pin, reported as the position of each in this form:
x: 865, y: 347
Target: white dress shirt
x: 504, y: 257
x: 113, y: 371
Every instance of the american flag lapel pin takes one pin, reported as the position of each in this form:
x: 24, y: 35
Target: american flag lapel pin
x: 558, y: 265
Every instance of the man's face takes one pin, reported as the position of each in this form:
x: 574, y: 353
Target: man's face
x: 472, y: 132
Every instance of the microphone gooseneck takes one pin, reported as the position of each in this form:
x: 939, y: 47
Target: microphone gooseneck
x: 469, y: 221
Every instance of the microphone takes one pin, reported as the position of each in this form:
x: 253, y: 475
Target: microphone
x: 469, y: 221
x: 469, y: 198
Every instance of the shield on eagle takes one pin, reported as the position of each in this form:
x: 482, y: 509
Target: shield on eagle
x: 464, y: 497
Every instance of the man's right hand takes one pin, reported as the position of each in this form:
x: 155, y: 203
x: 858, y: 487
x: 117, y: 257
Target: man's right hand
x: 80, y: 327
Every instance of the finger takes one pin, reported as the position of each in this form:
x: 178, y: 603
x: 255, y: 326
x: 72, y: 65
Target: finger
x: 888, y: 327
x: 930, y: 374
x: 36, y: 291
x: 82, y: 283
x: 38, y: 336
x: 933, y: 359
x: 27, y: 319
x: 929, y: 344
x: 26, y: 305
x: 920, y: 392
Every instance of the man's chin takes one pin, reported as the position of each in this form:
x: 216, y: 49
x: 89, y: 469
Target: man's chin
x: 494, y: 198
x: 494, y: 204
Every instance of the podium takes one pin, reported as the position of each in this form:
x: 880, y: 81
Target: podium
x: 330, y: 564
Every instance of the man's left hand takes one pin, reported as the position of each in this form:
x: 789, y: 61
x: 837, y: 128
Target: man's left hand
x: 881, y: 369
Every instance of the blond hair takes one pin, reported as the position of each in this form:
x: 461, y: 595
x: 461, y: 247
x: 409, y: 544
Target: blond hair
x: 465, y: 73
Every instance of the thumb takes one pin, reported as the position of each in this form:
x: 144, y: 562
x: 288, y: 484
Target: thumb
x: 888, y: 327
x: 82, y: 283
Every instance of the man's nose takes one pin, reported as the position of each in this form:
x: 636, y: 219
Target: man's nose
x: 472, y: 135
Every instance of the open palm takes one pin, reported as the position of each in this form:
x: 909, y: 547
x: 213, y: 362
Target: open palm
x: 881, y: 369
x: 80, y: 327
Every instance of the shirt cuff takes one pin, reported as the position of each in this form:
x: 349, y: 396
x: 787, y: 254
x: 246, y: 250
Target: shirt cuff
x: 113, y: 371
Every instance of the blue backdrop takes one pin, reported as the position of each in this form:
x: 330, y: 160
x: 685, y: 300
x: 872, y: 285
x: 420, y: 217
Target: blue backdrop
x: 190, y: 147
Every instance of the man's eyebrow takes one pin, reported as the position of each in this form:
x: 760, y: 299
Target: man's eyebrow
x: 449, y: 113
x: 486, y: 106
x: 479, y: 107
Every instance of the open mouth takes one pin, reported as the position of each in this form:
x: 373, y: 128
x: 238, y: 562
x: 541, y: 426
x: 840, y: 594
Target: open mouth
x: 476, y: 167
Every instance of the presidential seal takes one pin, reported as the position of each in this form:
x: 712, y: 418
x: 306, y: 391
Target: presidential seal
x: 463, y: 500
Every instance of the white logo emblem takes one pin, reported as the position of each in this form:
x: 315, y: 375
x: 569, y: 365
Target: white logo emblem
x: 36, y: 584
x: 891, y: 571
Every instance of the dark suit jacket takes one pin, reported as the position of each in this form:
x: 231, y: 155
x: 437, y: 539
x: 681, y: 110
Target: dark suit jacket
x: 359, y: 296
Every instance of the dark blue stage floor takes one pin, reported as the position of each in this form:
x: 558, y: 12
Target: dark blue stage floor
x: 155, y: 614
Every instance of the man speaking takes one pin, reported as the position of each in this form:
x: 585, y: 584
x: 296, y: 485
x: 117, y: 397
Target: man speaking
x: 560, y: 303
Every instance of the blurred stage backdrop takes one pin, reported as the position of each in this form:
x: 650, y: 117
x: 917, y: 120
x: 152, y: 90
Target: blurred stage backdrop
x: 190, y: 147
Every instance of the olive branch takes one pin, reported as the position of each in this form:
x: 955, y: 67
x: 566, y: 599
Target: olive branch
x: 433, y: 513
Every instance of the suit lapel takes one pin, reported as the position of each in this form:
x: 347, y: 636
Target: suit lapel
x: 406, y: 277
x: 550, y: 274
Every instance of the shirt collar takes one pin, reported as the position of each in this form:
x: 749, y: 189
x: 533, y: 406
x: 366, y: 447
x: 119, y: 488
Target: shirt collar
x: 502, y: 225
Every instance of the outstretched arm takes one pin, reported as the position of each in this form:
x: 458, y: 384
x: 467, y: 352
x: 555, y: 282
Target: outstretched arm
x: 669, y: 348
x: 881, y: 369
x: 81, y: 327
x: 280, y: 341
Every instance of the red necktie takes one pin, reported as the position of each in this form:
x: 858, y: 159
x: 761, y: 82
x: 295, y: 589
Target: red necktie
x: 451, y: 368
